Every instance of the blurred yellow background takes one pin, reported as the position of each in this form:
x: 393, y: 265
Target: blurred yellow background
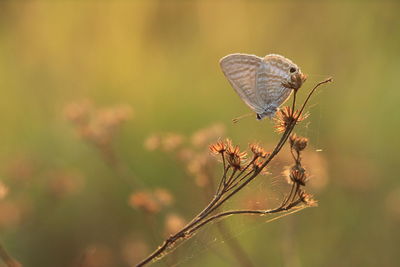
x: 61, y: 201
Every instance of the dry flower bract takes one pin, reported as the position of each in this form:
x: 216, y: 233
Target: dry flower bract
x: 285, y: 117
x: 258, y: 151
x: 234, y: 157
x: 98, y: 126
x: 298, y: 143
x: 218, y: 148
x: 296, y: 81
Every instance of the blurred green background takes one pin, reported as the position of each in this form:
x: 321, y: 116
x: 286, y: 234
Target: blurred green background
x: 63, y: 204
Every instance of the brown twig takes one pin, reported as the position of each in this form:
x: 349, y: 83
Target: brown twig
x: 232, y: 243
x: 222, y: 194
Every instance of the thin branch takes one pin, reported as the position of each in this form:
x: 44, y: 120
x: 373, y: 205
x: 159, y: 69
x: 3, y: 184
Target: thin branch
x: 236, y: 212
x: 219, y: 198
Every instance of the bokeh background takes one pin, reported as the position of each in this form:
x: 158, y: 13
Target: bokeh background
x: 101, y: 109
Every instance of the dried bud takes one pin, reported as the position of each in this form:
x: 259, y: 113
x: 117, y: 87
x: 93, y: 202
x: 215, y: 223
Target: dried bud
x: 285, y: 117
x: 257, y: 164
x: 218, y: 148
x: 298, y: 175
x: 298, y: 143
x: 308, y: 199
x: 296, y: 81
x: 235, y: 157
x: 258, y: 151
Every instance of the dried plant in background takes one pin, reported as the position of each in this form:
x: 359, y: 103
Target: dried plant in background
x: 189, y: 151
x: 151, y: 202
x: 200, y: 164
x: 98, y: 126
x: 238, y: 171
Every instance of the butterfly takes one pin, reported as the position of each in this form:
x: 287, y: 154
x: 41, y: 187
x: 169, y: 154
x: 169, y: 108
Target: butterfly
x: 262, y: 83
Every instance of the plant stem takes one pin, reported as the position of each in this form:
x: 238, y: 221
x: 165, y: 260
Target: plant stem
x: 201, y: 219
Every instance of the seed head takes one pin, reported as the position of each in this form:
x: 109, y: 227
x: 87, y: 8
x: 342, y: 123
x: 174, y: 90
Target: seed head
x: 258, y: 151
x: 298, y: 175
x: 218, y: 147
x: 308, y: 199
x: 257, y: 164
x: 235, y: 158
x: 285, y: 117
x: 298, y: 143
x: 296, y: 81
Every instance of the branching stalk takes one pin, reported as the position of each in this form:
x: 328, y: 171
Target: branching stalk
x: 229, y: 187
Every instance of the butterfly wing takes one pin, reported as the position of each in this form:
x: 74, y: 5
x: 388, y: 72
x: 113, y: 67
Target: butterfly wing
x: 271, y: 75
x: 241, y: 70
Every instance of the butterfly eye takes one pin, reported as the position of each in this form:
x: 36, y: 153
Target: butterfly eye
x: 292, y: 70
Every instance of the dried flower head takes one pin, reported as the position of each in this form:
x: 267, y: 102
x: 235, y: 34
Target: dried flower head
x: 298, y: 143
x: 257, y: 164
x: 308, y: 199
x: 298, y: 175
x: 144, y: 201
x: 285, y: 117
x: 258, y: 151
x: 235, y: 158
x: 218, y: 148
x: 97, y: 126
x: 296, y: 81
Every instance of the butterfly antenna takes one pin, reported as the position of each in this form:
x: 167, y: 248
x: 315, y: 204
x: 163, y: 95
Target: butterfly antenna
x: 236, y: 120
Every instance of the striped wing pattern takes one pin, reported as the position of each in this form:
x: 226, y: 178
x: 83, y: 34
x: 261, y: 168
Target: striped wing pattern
x: 241, y: 72
x: 270, y: 79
